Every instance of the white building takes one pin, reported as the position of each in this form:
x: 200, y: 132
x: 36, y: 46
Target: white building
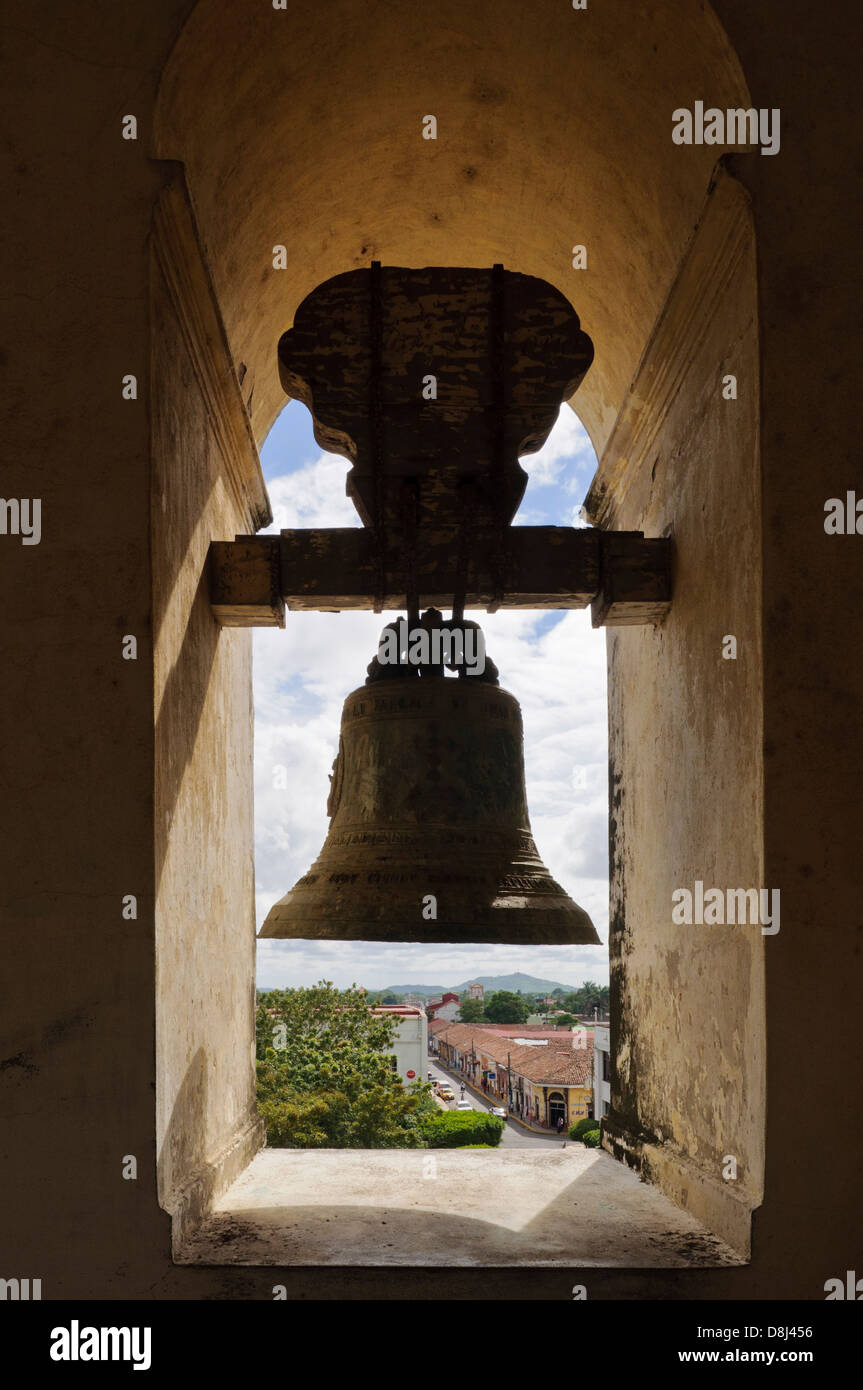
x: 410, y: 1045
x: 446, y: 1007
x: 601, y: 1070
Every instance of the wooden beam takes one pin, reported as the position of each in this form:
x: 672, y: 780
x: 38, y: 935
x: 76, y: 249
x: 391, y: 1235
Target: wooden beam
x: 245, y: 587
x: 635, y: 580
x: 625, y: 578
x: 542, y: 567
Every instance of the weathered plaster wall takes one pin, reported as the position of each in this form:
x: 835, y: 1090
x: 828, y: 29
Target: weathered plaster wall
x: 205, y: 485
x: 76, y: 1084
x: 809, y: 293
x: 685, y: 740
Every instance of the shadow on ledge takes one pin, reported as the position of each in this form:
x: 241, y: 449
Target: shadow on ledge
x: 444, y: 1207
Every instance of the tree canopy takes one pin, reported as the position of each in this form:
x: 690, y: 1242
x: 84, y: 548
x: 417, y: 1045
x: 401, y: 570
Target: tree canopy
x: 325, y: 1076
x: 506, y: 1007
x: 588, y: 997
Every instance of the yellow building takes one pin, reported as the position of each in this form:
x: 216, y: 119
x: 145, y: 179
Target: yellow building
x: 538, y: 1079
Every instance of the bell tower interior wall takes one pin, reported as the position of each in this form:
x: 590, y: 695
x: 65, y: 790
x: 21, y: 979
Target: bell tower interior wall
x: 206, y: 484
x: 686, y: 741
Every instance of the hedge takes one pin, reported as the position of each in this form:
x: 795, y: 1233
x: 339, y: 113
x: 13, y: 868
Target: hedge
x: 581, y: 1128
x: 459, y: 1129
x: 591, y: 1139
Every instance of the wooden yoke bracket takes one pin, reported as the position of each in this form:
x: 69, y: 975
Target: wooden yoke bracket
x: 624, y: 577
x: 434, y: 453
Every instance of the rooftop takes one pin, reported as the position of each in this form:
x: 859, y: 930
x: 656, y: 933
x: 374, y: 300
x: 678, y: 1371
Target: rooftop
x: 548, y: 1060
x: 397, y: 1009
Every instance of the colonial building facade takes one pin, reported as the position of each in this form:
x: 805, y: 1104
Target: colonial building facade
x: 545, y: 1080
x: 410, y: 1045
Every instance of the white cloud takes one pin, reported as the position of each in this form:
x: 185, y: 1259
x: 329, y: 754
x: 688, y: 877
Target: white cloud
x: 376, y: 964
x: 313, y: 495
x: 567, y: 444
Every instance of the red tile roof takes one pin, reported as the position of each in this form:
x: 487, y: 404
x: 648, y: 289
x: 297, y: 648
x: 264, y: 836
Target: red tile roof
x: 524, y: 1030
x: 406, y: 1009
x: 557, y: 1063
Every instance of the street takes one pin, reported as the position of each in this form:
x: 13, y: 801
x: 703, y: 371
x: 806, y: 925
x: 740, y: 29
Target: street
x: 514, y: 1135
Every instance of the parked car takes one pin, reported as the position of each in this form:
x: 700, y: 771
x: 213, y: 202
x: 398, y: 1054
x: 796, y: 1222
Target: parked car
x: 446, y: 1091
x: 499, y: 1111
x: 464, y: 1105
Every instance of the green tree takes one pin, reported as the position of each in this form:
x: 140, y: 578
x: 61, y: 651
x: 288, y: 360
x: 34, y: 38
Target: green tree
x: 564, y: 1020
x: 594, y: 996
x: 506, y: 1007
x: 471, y: 1011
x: 325, y: 1077
x: 588, y: 997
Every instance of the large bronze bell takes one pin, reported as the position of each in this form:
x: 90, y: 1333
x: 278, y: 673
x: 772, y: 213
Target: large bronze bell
x: 429, y: 834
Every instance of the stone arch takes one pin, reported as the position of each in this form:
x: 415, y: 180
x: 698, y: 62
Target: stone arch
x: 310, y: 137
x: 303, y: 129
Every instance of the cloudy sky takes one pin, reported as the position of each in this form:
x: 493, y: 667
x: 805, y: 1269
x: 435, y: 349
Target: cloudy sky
x: 554, y: 663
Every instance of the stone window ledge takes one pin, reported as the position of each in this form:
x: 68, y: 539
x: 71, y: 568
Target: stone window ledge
x: 569, y: 1207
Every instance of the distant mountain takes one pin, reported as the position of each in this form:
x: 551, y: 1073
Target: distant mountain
x: 528, y: 984
x: 427, y: 991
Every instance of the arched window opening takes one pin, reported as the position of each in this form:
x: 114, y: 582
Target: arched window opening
x: 545, y: 659
x: 668, y: 307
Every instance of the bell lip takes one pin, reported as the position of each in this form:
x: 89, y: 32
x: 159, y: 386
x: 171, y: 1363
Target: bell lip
x: 529, y: 927
x: 522, y: 936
